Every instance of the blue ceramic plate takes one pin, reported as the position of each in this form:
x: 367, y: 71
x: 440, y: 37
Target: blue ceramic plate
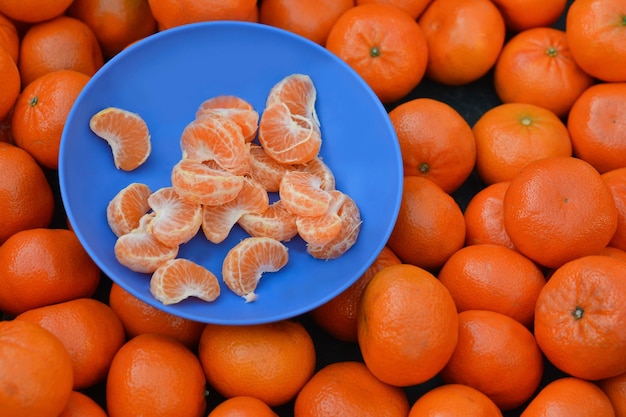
x: 164, y: 78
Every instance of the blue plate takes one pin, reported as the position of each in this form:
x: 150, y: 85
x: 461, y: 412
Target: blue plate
x: 164, y: 78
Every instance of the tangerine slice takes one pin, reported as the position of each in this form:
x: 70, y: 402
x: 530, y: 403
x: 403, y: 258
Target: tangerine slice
x: 179, y: 278
x: 288, y: 138
x: 214, y: 137
x: 140, y: 251
x: 217, y: 221
x: 127, y: 207
x: 298, y: 92
x: 322, y: 229
x: 266, y: 170
x: 275, y: 222
x: 318, y: 167
x: 126, y: 133
x: 301, y: 194
x: 223, y: 101
x: 175, y: 220
x: 247, y: 261
x: 347, y: 236
x: 198, y: 183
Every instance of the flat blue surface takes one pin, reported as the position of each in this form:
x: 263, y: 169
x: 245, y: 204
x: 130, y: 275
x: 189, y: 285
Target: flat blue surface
x: 164, y: 78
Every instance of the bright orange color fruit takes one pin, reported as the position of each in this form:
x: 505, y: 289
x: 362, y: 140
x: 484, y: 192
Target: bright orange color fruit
x: 616, y: 181
x: 179, y: 279
x: 44, y: 266
x: 484, y: 217
x: 197, y: 182
x: 454, y: 400
x: 271, y: 361
x: 511, y: 135
x: 26, y: 199
x: 11, y: 81
x: 81, y: 405
x: 242, y: 406
x: 494, y: 347
x: 127, y: 207
x: 126, y: 133
x: 384, y: 45
x: 537, y: 67
x: 248, y: 260
x: 493, y: 277
x: 301, y: 193
x: 90, y: 331
x: 559, y: 209
x: 413, y: 7
x: 154, y: 374
x: 404, y: 305
x: 520, y: 15
x: 436, y: 142
x: 41, y: 111
x: 9, y: 37
x: 36, y: 377
x: 349, y: 388
x: 615, y: 389
x: 173, y: 221
x: 276, y: 222
x: 579, y: 317
x: 569, y: 396
x: 235, y: 108
x: 464, y: 38
x: 172, y: 13
x: 32, y: 11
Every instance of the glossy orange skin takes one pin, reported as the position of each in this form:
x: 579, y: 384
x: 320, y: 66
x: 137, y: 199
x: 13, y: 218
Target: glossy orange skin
x: 82, y: 405
x: 484, y: 218
x: 615, y: 389
x: 9, y: 37
x: 520, y: 15
x: 172, y: 13
x: 11, y: 82
x: 454, y: 400
x: 616, y: 180
x: 242, y: 407
x: 33, y: 11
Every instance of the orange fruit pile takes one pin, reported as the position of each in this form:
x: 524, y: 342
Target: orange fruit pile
x: 500, y: 291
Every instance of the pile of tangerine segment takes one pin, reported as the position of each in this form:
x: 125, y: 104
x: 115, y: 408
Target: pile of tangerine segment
x: 224, y: 178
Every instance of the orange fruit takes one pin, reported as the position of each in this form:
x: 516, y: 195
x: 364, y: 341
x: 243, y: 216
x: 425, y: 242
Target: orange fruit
x: 217, y: 221
x: 520, y: 15
x: 569, y: 396
x: 493, y: 277
x: 412, y: 7
x: 579, y: 317
x: 242, y: 406
x: 81, y: 405
x: 321, y: 230
x: 26, y: 199
x: 266, y: 170
x: 141, y: 251
x: 11, y: 81
x: 349, y: 388
x: 127, y: 207
x: 117, y: 23
x: 235, y: 108
x: 126, y: 133
x: 301, y: 194
x: 32, y: 11
x: 511, y: 135
x: 484, y: 217
x: 338, y: 317
x: 616, y: 180
x: 454, y: 400
x: 347, y: 236
x: 404, y: 305
x: 614, y: 253
x: 595, y: 31
x: 36, y: 378
x: 9, y: 37
x: 271, y: 362
x: 298, y: 92
x: 139, y: 317
x: 178, y: 279
x: 318, y: 167
x: 61, y: 43
x: 155, y: 375
x: 494, y: 347
x: 248, y: 260
x: 537, y: 67
x: 276, y: 222
x: 596, y: 126
x: 436, y: 142
x: 40, y: 267
x: 309, y: 18
x: 430, y: 225
x: 558, y: 209
x: 615, y: 389
x: 464, y: 38
x: 171, y: 13
x: 197, y: 182
x: 90, y: 331
x: 174, y: 221
x: 384, y: 45
x: 41, y: 112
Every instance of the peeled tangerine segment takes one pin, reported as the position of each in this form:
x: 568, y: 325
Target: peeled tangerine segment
x: 275, y: 222
x: 197, y: 182
x: 179, y: 278
x: 320, y: 230
x: 298, y: 92
x: 246, y: 262
x: 218, y: 221
x: 127, y: 207
x: 302, y: 195
x: 126, y: 133
x: 347, y: 236
x: 140, y: 251
x: 175, y: 221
